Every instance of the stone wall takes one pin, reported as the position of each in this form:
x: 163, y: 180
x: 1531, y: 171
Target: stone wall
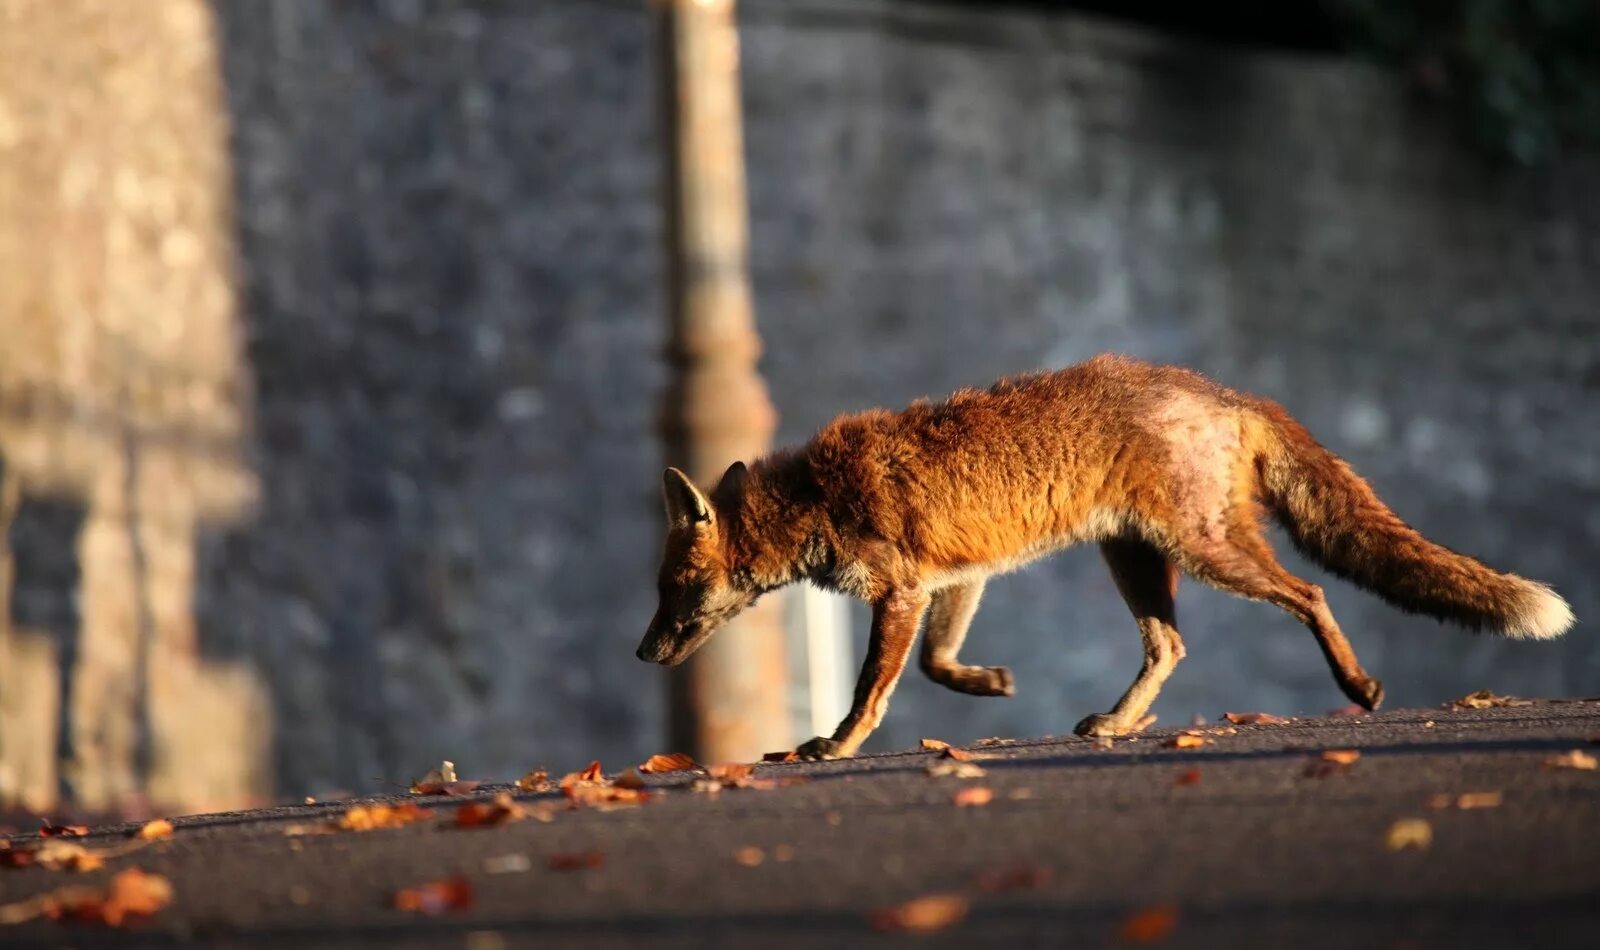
x: 440, y: 521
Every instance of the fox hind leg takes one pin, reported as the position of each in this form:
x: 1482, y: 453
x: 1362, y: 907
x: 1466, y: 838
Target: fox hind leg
x: 949, y: 616
x: 1244, y: 564
x: 1147, y: 581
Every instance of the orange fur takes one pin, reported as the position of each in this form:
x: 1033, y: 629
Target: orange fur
x: 1167, y: 470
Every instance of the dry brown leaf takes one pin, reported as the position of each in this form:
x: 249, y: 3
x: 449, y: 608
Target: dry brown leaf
x: 153, y: 830
x: 1187, y: 740
x: 1017, y: 877
x: 1485, y: 699
x: 960, y: 755
x: 591, y: 773
x: 1340, y: 756
x: 629, y: 779
x: 1345, y: 712
x: 604, y: 797
x: 1254, y: 719
x: 435, y: 778
x: 577, y: 861
x: 1467, y: 801
x: 47, y: 830
x: 1573, y: 759
x: 731, y: 771
x: 749, y: 856
x: 372, y: 817
x: 1191, y: 777
x: 446, y: 788
x: 924, y: 915
x: 934, y: 745
x: 436, y: 897
x: 973, y: 795
x: 131, y: 893
x: 58, y: 855
x: 669, y: 762
x: 1149, y: 925
x: 1409, y: 833
x: 789, y: 756
x: 498, y: 811
x: 946, y: 768
x: 993, y: 740
x: 537, y: 780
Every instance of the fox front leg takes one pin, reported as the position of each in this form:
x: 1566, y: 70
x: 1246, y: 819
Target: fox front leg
x: 895, y: 619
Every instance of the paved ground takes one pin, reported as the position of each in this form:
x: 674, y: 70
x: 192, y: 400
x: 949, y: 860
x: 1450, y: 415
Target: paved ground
x: 1251, y: 850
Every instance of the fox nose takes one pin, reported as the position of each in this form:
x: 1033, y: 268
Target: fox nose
x: 640, y: 653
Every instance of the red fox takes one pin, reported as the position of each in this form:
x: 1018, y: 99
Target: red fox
x: 1167, y: 471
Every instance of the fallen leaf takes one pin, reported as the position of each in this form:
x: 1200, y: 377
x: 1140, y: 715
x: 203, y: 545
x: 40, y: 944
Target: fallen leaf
x: 934, y: 745
x: 1149, y: 925
x: 1348, y: 711
x: 1573, y: 759
x: 591, y: 773
x: 731, y: 771
x: 1191, y: 777
x: 951, y: 769
x: 629, y: 779
x: 670, y: 762
x: 1187, y: 740
x: 960, y: 755
x: 131, y: 893
x: 1409, y: 833
x: 498, y: 811
x: 435, y: 778
x: 788, y: 756
x: 923, y: 915
x: 537, y: 780
x: 1485, y: 699
x: 749, y: 856
x: 1254, y: 719
x: 973, y: 795
x: 1340, y: 756
x: 48, y: 830
x: 152, y: 830
x: 1017, y: 877
x: 58, y: 855
x: 993, y: 740
x: 436, y: 897
x: 577, y: 861
x: 1467, y: 801
x: 372, y: 817
x: 604, y: 797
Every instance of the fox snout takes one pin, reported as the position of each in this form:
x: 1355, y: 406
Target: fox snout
x: 664, y: 643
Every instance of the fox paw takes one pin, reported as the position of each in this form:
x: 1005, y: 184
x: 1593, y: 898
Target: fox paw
x: 1366, y: 693
x: 819, y: 748
x: 976, y: 680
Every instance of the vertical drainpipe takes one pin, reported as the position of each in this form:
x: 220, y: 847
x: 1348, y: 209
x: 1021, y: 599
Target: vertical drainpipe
x: 729, y: 702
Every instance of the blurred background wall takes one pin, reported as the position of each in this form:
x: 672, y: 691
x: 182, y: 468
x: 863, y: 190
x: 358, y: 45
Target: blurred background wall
x: 330, y: 357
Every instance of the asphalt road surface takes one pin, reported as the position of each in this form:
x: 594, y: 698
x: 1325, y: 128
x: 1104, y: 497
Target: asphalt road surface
x: 1250, y: 839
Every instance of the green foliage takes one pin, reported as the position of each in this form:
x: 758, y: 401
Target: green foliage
x: 1523, y: 75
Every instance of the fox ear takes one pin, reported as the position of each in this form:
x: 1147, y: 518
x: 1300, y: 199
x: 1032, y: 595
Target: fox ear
x: 685, y: 505
x: 732, y: 481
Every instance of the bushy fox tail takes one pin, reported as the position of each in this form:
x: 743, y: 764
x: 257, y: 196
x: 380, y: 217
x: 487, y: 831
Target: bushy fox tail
x: 1335, y: 518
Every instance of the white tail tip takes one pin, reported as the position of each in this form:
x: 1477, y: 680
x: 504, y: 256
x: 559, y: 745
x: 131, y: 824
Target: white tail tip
x: 1543, y: 615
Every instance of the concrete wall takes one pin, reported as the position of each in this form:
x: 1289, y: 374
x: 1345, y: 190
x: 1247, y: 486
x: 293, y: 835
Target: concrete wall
x: 449, y: 300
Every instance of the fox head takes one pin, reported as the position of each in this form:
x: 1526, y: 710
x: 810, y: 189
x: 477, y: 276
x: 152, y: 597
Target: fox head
x: 696, y: 582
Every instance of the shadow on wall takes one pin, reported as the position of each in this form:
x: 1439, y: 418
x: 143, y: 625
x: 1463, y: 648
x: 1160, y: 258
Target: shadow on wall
x: 123, y: 413
x: 449, y: 295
